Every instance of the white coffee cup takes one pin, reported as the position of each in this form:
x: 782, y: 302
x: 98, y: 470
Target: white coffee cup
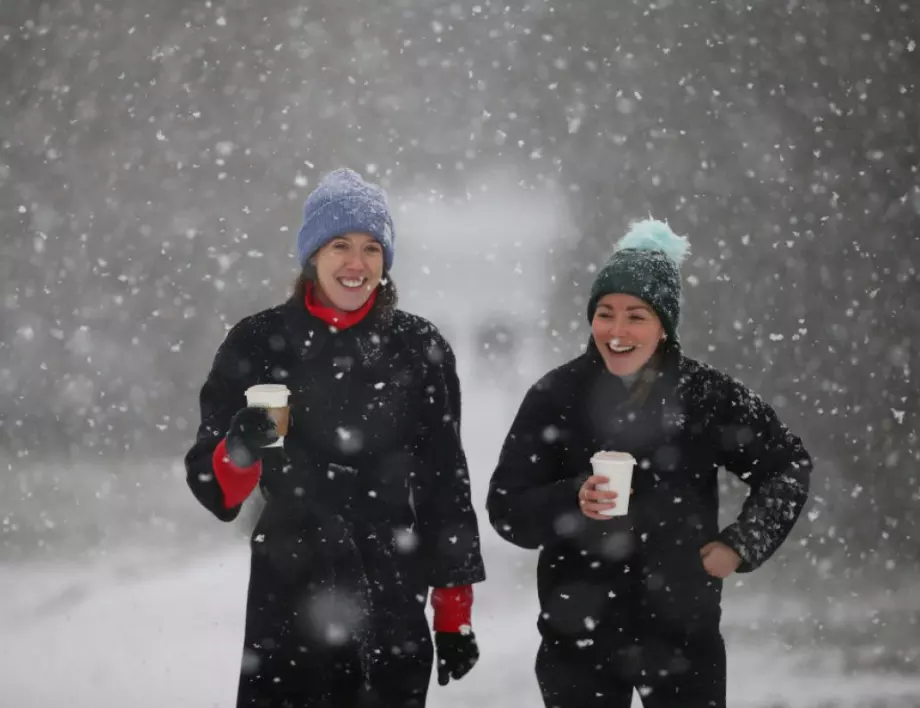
x: 274, y: 397
x: 617, y: 467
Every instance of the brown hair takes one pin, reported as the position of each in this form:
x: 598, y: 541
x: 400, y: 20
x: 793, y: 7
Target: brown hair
x: 307, y: 275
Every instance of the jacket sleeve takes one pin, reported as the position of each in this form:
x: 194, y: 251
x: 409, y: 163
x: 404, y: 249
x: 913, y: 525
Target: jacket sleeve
x: 757, y: 448
x: 222, y: 395
x: 447, y: 526
x: 528, y: 504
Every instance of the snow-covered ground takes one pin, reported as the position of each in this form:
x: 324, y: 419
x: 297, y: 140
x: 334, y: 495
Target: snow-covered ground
x: 150, y: 632
x: 148, y: 625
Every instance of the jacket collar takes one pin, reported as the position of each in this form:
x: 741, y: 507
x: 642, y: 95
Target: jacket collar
x: 668, y: 369
x: 311, y: 335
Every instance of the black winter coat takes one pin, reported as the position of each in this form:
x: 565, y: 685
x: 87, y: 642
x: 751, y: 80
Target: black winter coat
x: 371, y: 492
x: 601, y: 582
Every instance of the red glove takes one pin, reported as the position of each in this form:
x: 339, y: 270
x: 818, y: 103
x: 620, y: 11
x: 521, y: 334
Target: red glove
x: 453, y: 608
x: 236, y: 483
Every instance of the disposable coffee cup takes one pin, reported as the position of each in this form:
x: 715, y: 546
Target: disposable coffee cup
x: 617, y: 467
x: 274, y: 397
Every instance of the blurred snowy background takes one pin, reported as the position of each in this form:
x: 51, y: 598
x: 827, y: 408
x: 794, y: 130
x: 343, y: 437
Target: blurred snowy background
x: 153, y: 161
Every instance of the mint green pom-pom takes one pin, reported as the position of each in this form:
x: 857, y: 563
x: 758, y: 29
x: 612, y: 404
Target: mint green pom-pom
x: 654, y: 235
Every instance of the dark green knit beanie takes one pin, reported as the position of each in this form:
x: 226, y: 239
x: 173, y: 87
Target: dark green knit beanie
x: 646, y: 264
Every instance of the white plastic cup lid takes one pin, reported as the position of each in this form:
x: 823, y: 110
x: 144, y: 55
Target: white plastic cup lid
x: 270, y: 395
x: 613, y: 457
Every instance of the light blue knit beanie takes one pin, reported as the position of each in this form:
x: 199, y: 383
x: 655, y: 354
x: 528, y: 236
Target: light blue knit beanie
x: 343, y: 203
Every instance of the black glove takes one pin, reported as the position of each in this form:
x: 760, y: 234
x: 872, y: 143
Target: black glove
x: 457, y: 654
x: 251, y: 430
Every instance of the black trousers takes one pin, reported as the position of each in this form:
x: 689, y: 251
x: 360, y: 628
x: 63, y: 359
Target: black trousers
x: 288, y: 679
x: 666, y: 671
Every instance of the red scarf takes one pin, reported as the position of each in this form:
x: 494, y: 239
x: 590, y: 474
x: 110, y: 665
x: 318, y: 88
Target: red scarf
x: 333, y: 317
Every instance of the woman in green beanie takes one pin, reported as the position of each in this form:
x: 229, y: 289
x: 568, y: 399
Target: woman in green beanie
x: 633, y: 601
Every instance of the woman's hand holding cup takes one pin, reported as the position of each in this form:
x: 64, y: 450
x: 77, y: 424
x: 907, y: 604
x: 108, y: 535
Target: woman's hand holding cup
x: 594, y: 501
x: 251, y: 430
x: 612, y: 480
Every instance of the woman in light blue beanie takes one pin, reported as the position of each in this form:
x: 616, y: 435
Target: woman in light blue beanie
x: 630, y: 584
x: 367, y: 493
x: 346, y: 245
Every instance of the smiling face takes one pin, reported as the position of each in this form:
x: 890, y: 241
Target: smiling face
x: 626, y: 331
x: 348, y: 269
